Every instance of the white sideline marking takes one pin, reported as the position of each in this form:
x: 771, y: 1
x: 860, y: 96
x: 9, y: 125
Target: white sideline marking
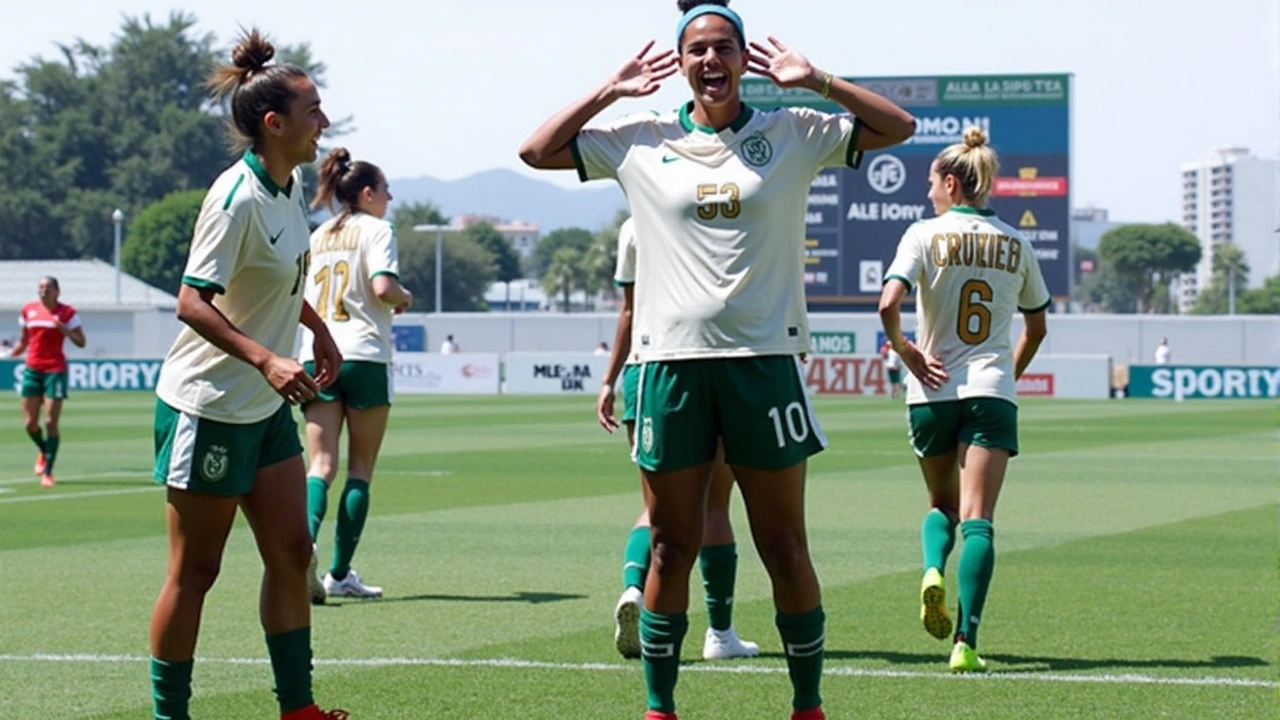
x: 839, y: 671
x: 77, y: 496
x: 34, y: 479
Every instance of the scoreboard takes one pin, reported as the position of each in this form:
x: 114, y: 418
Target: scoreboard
x: 856, y: 217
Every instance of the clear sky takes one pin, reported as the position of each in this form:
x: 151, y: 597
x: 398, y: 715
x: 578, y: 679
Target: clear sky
x: 451, y: 87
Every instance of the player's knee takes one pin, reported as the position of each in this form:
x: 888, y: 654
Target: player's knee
x: 51, y: 427
x: 783, y: 553
x: 289, y: 556
x: 33, y: 426
x: 198, y: 576
x: 674, y: 552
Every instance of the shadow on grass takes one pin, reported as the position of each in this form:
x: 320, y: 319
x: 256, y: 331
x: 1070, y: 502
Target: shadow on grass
x: 1040, y: 663
x: 530, y: 598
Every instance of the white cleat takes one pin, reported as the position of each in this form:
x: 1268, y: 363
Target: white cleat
x: 725, y: 644
x: 350, y: 586
x: 626, y: 623
x: 315, y: 588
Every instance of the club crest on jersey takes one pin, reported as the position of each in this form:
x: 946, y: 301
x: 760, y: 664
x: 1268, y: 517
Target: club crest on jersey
x: 215, y: 464
x: 646, y: 434
x: 756, y: 150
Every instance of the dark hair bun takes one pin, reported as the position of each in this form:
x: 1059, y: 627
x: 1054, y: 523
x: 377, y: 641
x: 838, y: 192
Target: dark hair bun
x: 687, y: 5
x: 253, y: 52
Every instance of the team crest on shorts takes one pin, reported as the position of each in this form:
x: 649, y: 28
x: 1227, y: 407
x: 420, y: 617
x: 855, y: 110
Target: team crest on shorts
x: 756, y: 150
x: 214, y: 466
x: 646, y: 435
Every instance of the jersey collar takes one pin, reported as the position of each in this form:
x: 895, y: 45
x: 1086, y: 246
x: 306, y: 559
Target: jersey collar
x: 686, y: 120
x: 969, y: 210
x: 260, y: 172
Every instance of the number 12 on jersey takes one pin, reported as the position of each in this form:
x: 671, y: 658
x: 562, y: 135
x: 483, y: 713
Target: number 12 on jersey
x: 333, y: 279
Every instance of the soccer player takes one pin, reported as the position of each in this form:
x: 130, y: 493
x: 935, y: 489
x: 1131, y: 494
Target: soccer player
x: 224, y: 431
x: 353, y: 285
x: 718, y: 557
x: 893, y: 368
x: 46, y: 325
x: 719, y: 191
x: 973, y: 271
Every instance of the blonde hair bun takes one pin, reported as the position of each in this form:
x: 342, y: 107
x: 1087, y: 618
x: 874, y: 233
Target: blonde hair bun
x: 975, y: 137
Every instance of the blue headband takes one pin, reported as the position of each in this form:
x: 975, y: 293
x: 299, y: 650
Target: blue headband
x: 699, y: 11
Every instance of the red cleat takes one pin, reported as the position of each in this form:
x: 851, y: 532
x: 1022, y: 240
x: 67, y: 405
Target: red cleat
x: 39, y: 468
x: 659, y: 715
x: 312, y: 712
x: 46, y: 480
x: 814, y: 714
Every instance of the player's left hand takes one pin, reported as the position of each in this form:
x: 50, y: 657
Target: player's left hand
x: 328, y: 358
x: 784, y: 66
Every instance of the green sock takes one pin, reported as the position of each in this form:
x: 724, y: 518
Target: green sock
x: 353, y: 508
x: 802, y: 640
x: 50, y: 452
x: 37, y: 437
x: 719, y: 566
x: 660, y: 640
x: 171, y: 689
x: 938, y: 538
x: 635, y: 559
x: 291, y: 665
x: 977, y: 562
x: 317, y: 504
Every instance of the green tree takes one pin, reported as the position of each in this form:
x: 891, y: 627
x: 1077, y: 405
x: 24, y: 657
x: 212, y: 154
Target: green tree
x: 504, y: 255
x: 1229, y: 263
x: 1261, y: 301
x: 541, y: 259
x: 1147, y: 258
x: 155, y: 250
x: 405, y: 216
x: 467, y: 268
x: 564, y: 275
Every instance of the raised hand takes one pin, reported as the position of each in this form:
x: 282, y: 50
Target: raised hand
x: 643, y: 74
x: 784, y: 66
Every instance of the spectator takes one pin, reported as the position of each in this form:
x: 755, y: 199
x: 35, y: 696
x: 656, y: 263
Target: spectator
x: 602, y: 348
x: 1164, y: 354
x: 449, y: 347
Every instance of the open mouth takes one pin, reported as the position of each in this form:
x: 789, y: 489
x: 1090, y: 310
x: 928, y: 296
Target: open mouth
x: 715, y: 82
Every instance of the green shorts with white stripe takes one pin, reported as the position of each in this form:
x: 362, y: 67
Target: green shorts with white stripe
x: 202, y: 455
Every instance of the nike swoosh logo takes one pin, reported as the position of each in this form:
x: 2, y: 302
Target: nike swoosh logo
x: 275, y: 237
x: 670, y: 158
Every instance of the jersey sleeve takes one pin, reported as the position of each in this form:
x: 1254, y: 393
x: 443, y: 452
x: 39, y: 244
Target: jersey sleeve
x: 598, y: 152
x: 908, y: 263
x: 1035, y: 293
x: 72, y: 319
x: 215, y: 245
x: 382, y: 254
x: 832, y: 138
x: 625, y: 272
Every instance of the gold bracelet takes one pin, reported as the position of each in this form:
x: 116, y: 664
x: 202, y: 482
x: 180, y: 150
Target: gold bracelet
x: 826, y: 86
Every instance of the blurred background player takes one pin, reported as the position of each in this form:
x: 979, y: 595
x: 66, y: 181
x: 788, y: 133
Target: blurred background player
x: 46, y: 325
x: 892, y: 368
x: 354, y: 286
x: 973, y: 271
x: 718, y: 557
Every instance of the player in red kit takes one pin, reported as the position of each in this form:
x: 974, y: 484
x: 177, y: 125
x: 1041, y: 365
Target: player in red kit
x: 46, y: 324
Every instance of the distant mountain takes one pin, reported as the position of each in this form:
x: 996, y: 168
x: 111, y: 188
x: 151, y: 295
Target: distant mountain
x: 513, y: 196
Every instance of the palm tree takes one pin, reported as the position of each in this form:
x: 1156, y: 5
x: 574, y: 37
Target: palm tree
x: 564, y: 274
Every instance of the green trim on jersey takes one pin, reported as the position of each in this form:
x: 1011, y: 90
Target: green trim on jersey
x: 621, y: 284
x: 232, y: 195
x: 900, y: 279
x: 852, y: 155
x: 577, y: 159
x: 970, y: 210
x: 686, y: 120
x: 196, y: 282
x: 1045, y: 306
x: 388, y: 273
x: 261, y: 172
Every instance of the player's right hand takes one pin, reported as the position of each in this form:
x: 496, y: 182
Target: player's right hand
x: 604, y: 408
x: 929, y: 370
x: 643, y: 74
x: 287, y: 377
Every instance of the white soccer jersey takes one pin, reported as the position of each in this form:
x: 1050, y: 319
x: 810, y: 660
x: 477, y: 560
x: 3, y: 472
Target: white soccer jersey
x: 720, y: 223
x: 340, y: 286
x: 625, y: 270
x: 973, y: 271
x: 250, y: 246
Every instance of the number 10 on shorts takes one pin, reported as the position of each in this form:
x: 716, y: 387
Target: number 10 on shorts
x: 795, y: 418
